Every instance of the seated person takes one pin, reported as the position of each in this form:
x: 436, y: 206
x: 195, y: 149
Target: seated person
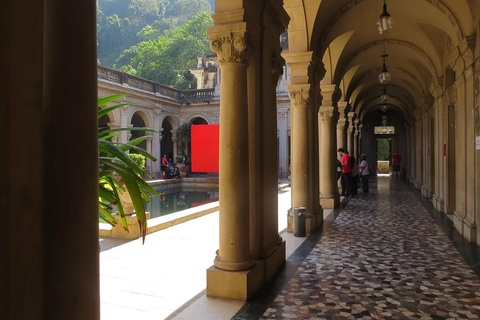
x: 176, y: 173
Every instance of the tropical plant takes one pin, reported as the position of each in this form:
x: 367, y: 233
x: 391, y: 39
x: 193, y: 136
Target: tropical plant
x: 183, y: 138
x: 119, y: 172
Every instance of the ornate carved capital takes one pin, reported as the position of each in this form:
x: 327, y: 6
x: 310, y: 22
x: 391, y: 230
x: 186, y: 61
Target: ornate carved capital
x: 341, y: 124
x: 299, y: 95
x: 232, y: 48
x: 326, y: 113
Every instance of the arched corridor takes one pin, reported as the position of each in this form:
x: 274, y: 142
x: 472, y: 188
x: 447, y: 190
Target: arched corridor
x: 386, y: 256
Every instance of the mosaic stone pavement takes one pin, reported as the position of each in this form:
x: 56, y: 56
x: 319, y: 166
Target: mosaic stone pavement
x: 383, y: 258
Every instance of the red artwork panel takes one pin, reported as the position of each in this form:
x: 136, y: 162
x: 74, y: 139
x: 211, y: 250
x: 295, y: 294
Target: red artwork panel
x: 205, y: 147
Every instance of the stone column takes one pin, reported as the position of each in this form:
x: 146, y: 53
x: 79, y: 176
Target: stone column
x: 341, y: 126
x: 113, y: 125
x: 234, y: 274
x: 360, y: 143
x: 350, y: 129
x: 329, y: 195
x: 156, y: 152
x: 300, y: 100
x: 174, y: 143
x: 148, y: 162
x: 123, y: 138
x: 70, y: 264
x: 234, y: 250
x: 283, y: 143
x: 355, y: 139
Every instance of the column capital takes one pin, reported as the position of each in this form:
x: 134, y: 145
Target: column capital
x: 341, y: 123
x: 301, y: 66
x: 326, y: 113
x: 331, y: 94
x: 299, y: 94
x: 342, y: 105
x: 231, y: 46
x: 351, y: 116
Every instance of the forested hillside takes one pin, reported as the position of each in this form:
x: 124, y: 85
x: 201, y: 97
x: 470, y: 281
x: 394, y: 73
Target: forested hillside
x: 154, y: 39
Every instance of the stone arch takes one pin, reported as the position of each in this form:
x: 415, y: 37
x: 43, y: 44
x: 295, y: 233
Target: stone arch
x: 167, y: 144
x: 138, y: 121
x: 197, y: 119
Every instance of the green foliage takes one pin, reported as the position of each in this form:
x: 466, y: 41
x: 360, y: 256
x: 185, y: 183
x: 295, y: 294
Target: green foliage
x: 383, y: 150
x: 183, y: 137
x: 121, y: 172
x: 123, y: 24
x: 168, y: 58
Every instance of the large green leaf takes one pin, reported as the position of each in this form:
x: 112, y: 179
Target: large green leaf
x: 106, y: 110
x: 108, y: 99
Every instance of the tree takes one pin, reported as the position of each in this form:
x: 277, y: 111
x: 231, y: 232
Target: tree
x: 168, y: 58
x: 184, y: 10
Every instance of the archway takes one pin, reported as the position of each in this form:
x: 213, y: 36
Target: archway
x: 138, y: 122
x: 166, y: 144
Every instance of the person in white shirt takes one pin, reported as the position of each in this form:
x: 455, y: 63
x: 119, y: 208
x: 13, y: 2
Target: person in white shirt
x: 364, y: 172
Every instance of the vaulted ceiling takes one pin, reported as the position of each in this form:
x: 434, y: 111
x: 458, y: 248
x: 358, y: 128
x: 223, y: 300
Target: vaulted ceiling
x: 343, y: 35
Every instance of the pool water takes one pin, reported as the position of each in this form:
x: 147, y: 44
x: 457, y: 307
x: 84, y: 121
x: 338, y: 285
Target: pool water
x: 179, y: 199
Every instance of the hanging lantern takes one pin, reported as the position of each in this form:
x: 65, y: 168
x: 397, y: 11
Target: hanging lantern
x: 385, y: 22
x: 384, y: 77
x: 384, y: 96
x: 384, y: 120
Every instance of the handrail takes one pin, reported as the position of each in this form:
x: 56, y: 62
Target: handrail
x: 124, y: 78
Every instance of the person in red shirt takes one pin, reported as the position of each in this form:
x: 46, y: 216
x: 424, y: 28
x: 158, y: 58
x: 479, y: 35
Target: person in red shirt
x: 396, y: 164
x: 346, y: 173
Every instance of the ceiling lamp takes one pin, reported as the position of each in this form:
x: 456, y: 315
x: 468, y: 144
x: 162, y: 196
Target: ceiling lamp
x: 384, y: 107
x: 385, y: 22
x: 384, y: 96
x: 384, y: 120
x: 384, y: 76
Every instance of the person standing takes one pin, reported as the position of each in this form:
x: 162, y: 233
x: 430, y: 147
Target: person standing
x: 396, y: 164
x: 346, y: 173
x: 364, y: 172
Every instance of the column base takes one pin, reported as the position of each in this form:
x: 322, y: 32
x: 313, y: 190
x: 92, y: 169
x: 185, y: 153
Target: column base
x: 236, y: 285
x: 331, y: 202
x: 439, y: 204
x: 275, y: 261
x: 458, y: 221
x: 469, y: 230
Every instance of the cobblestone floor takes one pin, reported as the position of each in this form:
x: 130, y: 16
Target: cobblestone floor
x: 383, y: 258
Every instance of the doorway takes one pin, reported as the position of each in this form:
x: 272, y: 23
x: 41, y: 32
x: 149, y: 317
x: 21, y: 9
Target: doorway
x: 384, y: 154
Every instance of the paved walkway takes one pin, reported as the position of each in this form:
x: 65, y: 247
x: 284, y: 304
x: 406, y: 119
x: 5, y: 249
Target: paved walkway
x: 166, y: 277
x: 383, y: 258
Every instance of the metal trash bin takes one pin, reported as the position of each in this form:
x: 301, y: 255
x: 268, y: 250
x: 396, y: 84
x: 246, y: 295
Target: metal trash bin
x: 300, y: 221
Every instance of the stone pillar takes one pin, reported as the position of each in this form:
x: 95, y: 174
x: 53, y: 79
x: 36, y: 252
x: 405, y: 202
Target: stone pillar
x: 355, y: 139
x: 300, y: 101
x: 234, y: 274
x: 156, y: 152
x: 71, y: 254
x: 329, y: 195
x: 148, y: 162
x: 113, y: 125
x: 174, y: 143
x: 283, y: 143
x: 360, y: 143
x: 341, y: 141
x: 350, y: 129
x: 123, y: 138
